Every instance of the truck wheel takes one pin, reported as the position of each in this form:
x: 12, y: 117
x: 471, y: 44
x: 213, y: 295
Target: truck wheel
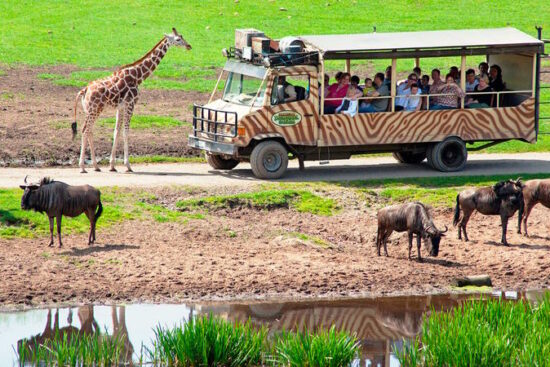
x: 219, y: 162
x: 409, y: 157
x: 269, y: 159
x: 449, y: 155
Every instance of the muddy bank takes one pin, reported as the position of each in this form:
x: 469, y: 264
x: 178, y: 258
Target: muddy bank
x: 243, y: 253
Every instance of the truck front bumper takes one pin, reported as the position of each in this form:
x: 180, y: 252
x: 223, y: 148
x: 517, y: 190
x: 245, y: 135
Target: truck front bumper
x: 212, y: 146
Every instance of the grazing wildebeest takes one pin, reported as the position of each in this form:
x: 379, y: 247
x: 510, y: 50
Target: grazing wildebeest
x: 534, y: 192
x: 414, y: 218
x: 504, y: 199
x: 56, y: 199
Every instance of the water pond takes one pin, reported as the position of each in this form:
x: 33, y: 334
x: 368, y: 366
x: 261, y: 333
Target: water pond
x: 380, y: 323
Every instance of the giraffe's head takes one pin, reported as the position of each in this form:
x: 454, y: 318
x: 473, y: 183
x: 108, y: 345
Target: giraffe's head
x: 175, y: 39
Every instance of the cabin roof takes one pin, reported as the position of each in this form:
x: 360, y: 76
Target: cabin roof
x: 427, y: 43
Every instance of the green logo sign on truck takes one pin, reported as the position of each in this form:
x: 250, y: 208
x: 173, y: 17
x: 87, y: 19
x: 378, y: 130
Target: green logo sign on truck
x: 286, y: 118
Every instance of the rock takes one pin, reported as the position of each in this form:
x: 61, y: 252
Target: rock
x: 473, y: 280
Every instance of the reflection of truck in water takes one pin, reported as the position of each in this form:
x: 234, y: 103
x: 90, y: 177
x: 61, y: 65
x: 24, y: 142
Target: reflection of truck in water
x: 272, y: 107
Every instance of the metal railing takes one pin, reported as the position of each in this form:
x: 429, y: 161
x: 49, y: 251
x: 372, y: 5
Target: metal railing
x: 203, y: 116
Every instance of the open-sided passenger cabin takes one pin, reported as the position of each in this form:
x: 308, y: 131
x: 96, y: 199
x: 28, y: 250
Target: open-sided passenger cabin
x: 255, y: 122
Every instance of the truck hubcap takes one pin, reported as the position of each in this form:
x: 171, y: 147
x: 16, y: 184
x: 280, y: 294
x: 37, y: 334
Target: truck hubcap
x: 272, y: 161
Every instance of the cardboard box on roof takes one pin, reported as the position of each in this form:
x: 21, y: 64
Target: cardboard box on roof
x: 243, y: 37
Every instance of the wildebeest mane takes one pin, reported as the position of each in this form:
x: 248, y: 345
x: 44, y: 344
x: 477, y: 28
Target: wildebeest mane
x: 46, y: 180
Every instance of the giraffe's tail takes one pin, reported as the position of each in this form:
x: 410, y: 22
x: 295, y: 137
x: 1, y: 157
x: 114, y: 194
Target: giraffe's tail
x: 78, y: 97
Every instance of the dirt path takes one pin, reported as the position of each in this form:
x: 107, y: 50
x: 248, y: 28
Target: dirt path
x: 199, y: 174
x: 243, y: 253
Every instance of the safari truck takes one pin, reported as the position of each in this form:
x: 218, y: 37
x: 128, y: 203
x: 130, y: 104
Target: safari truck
x: 256, y: 121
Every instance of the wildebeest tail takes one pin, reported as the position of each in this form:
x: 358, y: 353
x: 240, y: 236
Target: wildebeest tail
x: 99, y: 211
x: 78, y: 96
x: 457, y: 211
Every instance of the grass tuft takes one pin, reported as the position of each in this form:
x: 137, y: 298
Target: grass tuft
x: 141, y: 122
x: 483, y: 333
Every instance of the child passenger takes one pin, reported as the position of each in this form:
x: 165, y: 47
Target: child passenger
x: 412, y: 101
x: 349, y: 104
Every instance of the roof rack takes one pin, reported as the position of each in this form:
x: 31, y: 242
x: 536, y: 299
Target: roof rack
x: 276, y: 59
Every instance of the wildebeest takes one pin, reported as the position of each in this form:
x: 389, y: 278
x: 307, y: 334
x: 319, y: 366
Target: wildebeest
x: 504, y: 199
x: 534, y: 192
x: 414, y: 218
x: 56, y: 199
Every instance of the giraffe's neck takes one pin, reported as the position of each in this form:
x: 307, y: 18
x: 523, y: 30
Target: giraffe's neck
x: 148, y: 63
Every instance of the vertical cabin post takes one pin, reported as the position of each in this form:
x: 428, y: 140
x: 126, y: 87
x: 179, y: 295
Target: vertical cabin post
x: 322, y: 91
x: 348, y: 65
x: 534, y: 82
x: 417, y: 62
x: 393, y: 82
x: 462, y: 78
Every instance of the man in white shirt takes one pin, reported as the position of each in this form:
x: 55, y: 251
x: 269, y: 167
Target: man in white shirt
x: 285, y: 91
x: 413, y: 100
x: 471, y: 81
x: 403, y: 90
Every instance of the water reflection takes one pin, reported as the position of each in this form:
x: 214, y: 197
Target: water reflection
x: 381, y: 323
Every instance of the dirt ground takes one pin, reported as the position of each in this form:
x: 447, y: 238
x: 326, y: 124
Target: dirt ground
x: 244, y: 253
x: 35, y: 118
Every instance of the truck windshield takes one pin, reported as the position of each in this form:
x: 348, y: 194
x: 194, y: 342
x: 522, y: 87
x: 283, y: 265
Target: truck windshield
x: 242, y: 89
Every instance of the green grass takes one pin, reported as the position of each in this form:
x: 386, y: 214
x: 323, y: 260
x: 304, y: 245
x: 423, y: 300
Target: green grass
x: 325, y: 348
x: 437, y: 191
x: 141, y: 122
x: 483, y: 333
x: 209, y: 341
x: 300, y: 200
x: 95, y: 34
x: 309, y: 238
x: 76, y: 350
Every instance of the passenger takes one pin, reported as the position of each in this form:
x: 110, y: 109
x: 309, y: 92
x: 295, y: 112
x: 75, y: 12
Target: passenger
x: 425, y: 84
x: 377, y: 104
x: 327, y: 82
x: 369, y: 88
x: 355, y: 82
x: 495, y: 77
x: 482, y: 100
x: 455, y: 73
x: 349, y: 103
x: 413, y: 101
x: 471, y: 81
x: 418, y: 72
x: 387, y: 79
x: 337, y: 90
x: 403, y: 90
x: 437, y: 83
x: 483, y: 70
x: 453, y: 93
x: 285, y: 91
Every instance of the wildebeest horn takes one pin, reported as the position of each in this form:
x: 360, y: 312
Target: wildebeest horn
x: 446, y: 229
x: 518, y: 180
x: 25, y: 180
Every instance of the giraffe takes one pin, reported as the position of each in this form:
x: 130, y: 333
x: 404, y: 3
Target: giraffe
x: 119, y: 90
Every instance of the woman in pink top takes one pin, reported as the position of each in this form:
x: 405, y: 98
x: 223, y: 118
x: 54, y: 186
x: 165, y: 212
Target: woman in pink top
x: 337, y: 90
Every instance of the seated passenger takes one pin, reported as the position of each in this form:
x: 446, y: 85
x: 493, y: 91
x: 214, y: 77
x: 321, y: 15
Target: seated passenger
x: 355, y: 82
x: 327, y: 82
x: 337, y: 90
x: 349, y: 104
x: 403, y: 90
x: 471, y: 81
x: 452, y: 94
x: 482, y: 100
x: 483, y: 70
x: 377, y: 104
x: 455, y: 73
x: 387, y: 79
x: 437, y: 83
x: 425, y: 84
x: 413, y: 101
x: 495, y: 78
x: 285, y: 91
x: 369, y: 88
x: 418, y: 72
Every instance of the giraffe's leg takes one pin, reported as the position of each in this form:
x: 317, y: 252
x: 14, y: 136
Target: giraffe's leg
x: 127, y: 117
x: 86, y: 132
x: 92, y: 151
x: 83, y: 152
x: 116, y: 135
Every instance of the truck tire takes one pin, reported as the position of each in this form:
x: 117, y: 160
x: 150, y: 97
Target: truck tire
x: 450, y: 155
x: 219, y: 162
x: 269, y: 159
x: 409, y: 157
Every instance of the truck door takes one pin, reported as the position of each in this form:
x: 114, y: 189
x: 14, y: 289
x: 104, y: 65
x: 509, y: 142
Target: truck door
x: 292, y: 111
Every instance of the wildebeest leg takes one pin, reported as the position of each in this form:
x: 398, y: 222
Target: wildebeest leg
x: 524, y: 219
x: 504, y: 221
x: 91, y: 217
x: 379, y: 238
x: 410, y: 243
x: 58, y: 220
x: 418, y: 244
x: 386, y: 237
x: 51, y: 231
x: 463, y: 223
